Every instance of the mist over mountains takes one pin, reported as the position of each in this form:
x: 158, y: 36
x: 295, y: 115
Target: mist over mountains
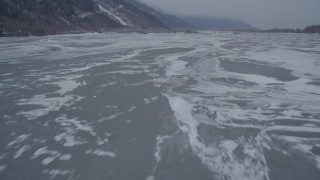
x: 210, y: 23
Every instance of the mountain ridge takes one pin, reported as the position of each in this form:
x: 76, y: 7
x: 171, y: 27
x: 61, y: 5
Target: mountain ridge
x: 38, y: 17
x: 41, y: 17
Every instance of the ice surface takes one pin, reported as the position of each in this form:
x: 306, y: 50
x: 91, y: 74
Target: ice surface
x: 102, y: 153
x: 71, y: 127
x: 237, y: 103
x: 2, y: 168
x: 157, y: 154
x: 57, y: 172
x: 48, y: 160
x: 43, y: 151
x: 68, y: 140
x: 147, y: 101
x: 219, y: 158
x: 75, y: 124
x: 47, y: 105
x: 175, y: 67
x: 67, y: 85
x: 51, y: 155
x: 65, y: 157
x: 19, y: 139
x: 21, y: 151
x: 150, y: 178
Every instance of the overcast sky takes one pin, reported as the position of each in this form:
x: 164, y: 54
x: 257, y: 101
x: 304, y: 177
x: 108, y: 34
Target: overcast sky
x: 264, y: 14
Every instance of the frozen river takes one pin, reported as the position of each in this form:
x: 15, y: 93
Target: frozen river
x: 206, y: 106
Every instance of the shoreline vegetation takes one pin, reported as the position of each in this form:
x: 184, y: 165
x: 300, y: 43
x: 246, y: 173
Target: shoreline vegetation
x: 37, y: 31
x: 309, y: 29
x: 4, y: 32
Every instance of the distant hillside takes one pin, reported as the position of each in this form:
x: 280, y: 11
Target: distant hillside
x: 23, y: 17
x: 209, y: 23
x: 171, y: 21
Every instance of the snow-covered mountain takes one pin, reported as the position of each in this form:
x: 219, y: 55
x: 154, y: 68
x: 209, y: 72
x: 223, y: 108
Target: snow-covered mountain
x: 55, y: 16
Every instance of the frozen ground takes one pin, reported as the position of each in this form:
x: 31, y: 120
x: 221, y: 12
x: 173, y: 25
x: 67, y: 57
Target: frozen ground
x: 204, y: 106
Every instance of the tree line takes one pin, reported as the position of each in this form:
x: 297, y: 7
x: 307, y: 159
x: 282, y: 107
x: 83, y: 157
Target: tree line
x: 308, y: 29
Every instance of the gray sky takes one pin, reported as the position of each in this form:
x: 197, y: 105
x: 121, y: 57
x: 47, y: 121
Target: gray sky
x: 264, y: 14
